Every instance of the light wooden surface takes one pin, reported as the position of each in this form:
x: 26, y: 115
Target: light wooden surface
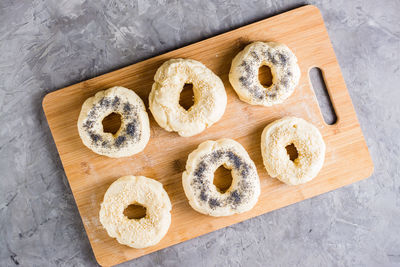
x: 347, y: 157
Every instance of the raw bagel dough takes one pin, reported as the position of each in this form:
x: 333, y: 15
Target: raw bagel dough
x: 244, y: 73
x: 136, y: 233
x: 308, y: 142
x: 134, y: 133
x: 209, y: 97
x: 198, y: 178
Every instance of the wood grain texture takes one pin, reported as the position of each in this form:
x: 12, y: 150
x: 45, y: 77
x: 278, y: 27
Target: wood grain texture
x: 347, y: 157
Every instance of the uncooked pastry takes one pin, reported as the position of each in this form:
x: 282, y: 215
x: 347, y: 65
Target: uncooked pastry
x: 209, y: 97
x: 198, y: 178
x: 132, y: 136
x: 136, y: 233
x: 243, y: 75
x: 308, y: 142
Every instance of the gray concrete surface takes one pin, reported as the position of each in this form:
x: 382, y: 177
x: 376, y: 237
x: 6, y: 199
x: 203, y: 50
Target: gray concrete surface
x: 46, y: 45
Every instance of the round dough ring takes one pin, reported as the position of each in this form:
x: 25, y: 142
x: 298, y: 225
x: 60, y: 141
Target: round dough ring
x: 198, y: 178
x: 209, y: 97
x: 134, y: 133
x: 244, y: 73
x: 308, y: 142
x: 136, y: 233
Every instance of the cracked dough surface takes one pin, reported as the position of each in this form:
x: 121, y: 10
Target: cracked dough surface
x: 309, y: 144
x: 136, y: 233
x: 209, y: 97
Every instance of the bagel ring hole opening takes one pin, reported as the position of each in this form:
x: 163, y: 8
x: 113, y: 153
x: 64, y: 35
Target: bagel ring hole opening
x: 222, y: 179
x: 186, y: 99
x: 112, y: 123
x: 265, y: 76
x: 135, y: 211
x: 292, y: 152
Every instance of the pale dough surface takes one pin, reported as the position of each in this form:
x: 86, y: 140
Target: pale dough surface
x: 134, y: 133
x: 243, y: 74
x: 198, y: 178
x: 209, y: 97
x: 136, y: 233
x: 309, y: 144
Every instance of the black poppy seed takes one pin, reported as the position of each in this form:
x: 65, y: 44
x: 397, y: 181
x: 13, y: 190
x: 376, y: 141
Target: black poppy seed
x: 285, y: 82
x: 127, y: 108
x: 257, y: 93
x: 104, y: 102
x: 237, y: 162
x: 243, y: 185
x: 131, y: 128
x: 200, y: 170
x: 235, y: 197
x: 260, y: 96
x: 265, y: 53
x: 95, y: 137
x: 212, y: 202
x: 255, y: 56
x: 88, y: 124
x: 272, y: 94
x: 203, y: 195
x: 283, y: 58
x: 116, y: 101
x: 245, y: 171
x: 269, y: 56
x: 92, y: 113
x: 246, y: 66
x: 120, y: 140
x: 216, y: 155
x: 198, y: 181
x: 245, y: 81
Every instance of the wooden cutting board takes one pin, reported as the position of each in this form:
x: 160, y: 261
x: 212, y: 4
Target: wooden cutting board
x: 347, y: 157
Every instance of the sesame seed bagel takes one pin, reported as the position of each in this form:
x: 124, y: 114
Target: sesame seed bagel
x: 198, y: 178
x: 308, y: 142
x: 136, y: 233
x: 243, y: 75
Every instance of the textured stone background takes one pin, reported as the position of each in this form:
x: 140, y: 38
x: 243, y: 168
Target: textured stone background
x: 49, y: 44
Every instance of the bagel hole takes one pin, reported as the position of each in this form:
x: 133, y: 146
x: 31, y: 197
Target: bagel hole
x: 292, y: 152
x: 112, y: 123
x: 265, y: 76
x: 186, y: 99
x: 135, y: 211
x: 222, y: 179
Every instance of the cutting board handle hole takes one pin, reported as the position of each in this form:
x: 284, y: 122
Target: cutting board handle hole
x: 292, y: 151
x: 135, y: 211
x: 324, y: 101
x: 222, y: 179
x: 186, y: 99
x: 112, y: 123
x: 265, y: 76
